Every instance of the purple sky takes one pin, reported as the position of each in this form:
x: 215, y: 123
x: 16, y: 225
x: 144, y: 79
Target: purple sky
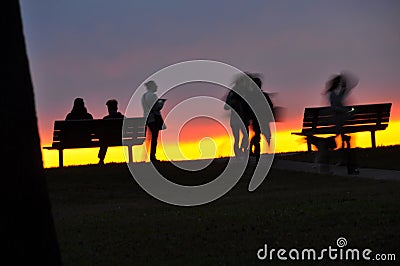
x: 99, y: 49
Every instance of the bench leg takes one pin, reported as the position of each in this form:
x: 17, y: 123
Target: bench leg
x: 373, y: 139
x: 60, y: 158
x: 130, y: 156
x: 308, y: 145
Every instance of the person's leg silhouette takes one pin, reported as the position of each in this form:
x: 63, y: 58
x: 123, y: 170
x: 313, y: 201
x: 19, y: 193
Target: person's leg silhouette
x: 154, y: 129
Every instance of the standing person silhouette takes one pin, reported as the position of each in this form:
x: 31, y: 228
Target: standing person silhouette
x: 79, y: 111
x: 112, y: 108
x: 152, y: 106
x: 239, y: 121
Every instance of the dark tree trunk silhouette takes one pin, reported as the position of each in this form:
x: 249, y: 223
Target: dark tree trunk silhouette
x: 27, y: 230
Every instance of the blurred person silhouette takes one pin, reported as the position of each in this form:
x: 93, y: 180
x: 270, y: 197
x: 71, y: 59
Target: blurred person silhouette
x: 324, y: 147
x: 152, y: 106
x: 255, y: 146
x: 239, y: 120
x: 338, y: 88
x: 113, y: 113
x: 79, y: 111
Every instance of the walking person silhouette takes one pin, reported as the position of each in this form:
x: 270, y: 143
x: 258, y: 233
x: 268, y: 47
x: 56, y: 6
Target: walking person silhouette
x: 239, y: 120
x: 255, y: 145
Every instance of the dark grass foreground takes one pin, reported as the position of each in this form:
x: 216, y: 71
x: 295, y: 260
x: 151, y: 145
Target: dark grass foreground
x: 386, y: 157
x: 103, y: 217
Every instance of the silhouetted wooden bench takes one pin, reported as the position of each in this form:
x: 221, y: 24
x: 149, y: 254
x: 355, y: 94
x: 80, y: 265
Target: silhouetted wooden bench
x: 95, y: 133
x: 361, y: 118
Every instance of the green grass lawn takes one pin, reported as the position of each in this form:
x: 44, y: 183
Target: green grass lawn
x: 387, y: 157
x: 103, y: 217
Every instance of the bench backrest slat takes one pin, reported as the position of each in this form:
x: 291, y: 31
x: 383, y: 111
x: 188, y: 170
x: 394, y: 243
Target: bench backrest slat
x: 88, y: 133
x: 346, y: 129
x: 355, y: 115
x: 331, y: 122
x: 360, y: 115
x: 350, y: 119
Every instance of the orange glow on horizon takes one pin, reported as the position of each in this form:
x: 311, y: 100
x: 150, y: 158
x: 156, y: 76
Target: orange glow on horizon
x: 211, y: 147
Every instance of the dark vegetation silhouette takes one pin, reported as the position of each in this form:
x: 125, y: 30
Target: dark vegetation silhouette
x: 27, y: 229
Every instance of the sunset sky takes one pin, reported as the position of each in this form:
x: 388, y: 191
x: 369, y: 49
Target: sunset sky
x: 98, y: 50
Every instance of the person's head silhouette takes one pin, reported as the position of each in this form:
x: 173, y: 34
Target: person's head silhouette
x: 79, y: 103
x: 334, y: 83
x: 78, y: 111
x: 112, y: 106
x: 151, y: 86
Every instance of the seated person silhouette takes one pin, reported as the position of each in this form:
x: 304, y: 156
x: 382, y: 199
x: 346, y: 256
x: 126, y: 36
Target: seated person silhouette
x: 79, y: 111
x: 338, y: 88
x: 112, y: 107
